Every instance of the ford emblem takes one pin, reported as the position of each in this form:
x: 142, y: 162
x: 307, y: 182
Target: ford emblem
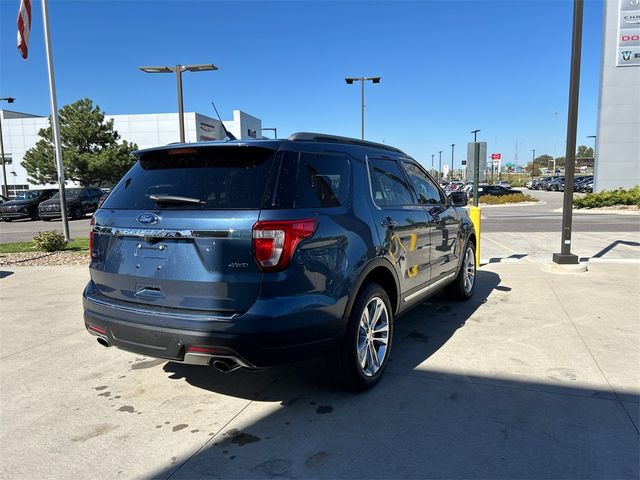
x: 148, y: 218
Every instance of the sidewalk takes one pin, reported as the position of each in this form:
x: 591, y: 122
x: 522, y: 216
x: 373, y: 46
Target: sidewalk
x: 536, y: 376
x: 538, y: 247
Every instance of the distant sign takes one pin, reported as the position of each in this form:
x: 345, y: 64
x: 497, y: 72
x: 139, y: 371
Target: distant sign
x: 496, y: 156
x: 464, y: 162
x: 628, y: 44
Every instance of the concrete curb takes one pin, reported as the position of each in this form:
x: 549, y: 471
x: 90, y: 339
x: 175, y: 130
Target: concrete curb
x: 595, y: 211
x: 563, y: 269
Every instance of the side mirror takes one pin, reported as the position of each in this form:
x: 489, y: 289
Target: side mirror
x: 458, y: 199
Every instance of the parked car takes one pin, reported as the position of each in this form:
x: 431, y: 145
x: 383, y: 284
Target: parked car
x: 586, y: 187
x: 541, y: 184
x: 529, y: 184
x: 504, y: 183
x: 578, y: 182
x: 274, y: 252
x: 3, y: 199
x: 495, y: 190
x: 25, y: 204
x: 80, y: 201
x: 554, y: 185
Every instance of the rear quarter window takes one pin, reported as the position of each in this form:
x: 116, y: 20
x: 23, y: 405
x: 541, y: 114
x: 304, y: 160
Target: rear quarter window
x: 311, y: 180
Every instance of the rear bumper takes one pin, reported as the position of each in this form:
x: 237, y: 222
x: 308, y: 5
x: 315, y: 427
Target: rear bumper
x: 272, y: 332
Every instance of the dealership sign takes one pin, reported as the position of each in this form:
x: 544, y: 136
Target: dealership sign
x: 628, y: 43
x: 496, y: 156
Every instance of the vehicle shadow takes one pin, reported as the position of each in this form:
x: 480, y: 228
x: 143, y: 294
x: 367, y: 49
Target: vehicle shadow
x: 418, y: 335
x: 419, y: 422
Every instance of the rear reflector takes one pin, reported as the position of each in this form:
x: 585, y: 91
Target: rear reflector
x: 100, y: 330
x: 274, y: 242
x: 207, y: 350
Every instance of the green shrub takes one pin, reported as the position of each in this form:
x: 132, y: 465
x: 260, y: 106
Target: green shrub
x: 502, y: 199
x: 49, y: 241
x: 609, y: 198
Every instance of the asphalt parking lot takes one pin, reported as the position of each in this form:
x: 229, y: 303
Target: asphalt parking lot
x: 535, y: 377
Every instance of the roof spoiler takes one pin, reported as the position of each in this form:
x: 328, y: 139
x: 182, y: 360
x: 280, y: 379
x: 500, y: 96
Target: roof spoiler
x: 321, y: 137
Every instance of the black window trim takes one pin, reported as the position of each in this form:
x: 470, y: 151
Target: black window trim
x: 443, y: 196
x: 410, y: 206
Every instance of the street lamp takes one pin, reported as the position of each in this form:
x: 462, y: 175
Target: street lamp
x: 476, y: 167
x: 4, y: 168
x: 533, y: 161
x: 432, y: 159
x: 594, y: 152
x: 178, y: 69
x: 439, y: 165
x: 453, y: 146
x: 350, y: 81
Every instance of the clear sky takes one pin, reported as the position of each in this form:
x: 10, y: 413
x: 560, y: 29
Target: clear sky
x: 447, y: 67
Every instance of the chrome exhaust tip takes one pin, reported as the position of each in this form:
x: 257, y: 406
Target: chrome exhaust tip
x: 224, y: 365
x: 103, y: 341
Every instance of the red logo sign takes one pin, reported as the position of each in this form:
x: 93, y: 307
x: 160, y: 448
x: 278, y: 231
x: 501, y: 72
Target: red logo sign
x: 496, y: 156
x: 630, y: 38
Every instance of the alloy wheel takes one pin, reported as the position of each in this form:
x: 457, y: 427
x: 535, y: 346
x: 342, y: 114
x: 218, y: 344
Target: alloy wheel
x: 373, y: 336
x: 469, y: 270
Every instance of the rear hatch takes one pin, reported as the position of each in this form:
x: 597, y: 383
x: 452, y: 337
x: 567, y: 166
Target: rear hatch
x: 177, y: 229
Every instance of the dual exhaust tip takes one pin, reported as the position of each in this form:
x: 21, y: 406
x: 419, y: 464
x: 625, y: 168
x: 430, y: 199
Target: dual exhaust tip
x: 222, y: 364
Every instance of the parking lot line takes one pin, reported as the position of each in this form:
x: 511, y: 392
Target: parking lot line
x: 506, y: 248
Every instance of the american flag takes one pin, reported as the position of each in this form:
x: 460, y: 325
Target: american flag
x: 24, y: 27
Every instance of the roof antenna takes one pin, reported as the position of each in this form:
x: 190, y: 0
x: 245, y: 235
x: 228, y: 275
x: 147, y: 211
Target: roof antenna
x: 227, y: 133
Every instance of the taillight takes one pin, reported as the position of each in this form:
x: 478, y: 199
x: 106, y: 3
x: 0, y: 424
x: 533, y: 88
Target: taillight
x: 275, y: 241
x: 92, y: 222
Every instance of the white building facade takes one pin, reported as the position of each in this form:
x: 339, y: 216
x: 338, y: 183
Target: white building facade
x: 617, y: 156
x: 20, y: 133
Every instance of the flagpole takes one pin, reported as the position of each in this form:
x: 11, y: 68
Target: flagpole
x: 54, y: 122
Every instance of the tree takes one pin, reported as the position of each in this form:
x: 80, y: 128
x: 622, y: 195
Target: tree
x: 584, y: 152
x: 91, y: 152
x: 543, y: 161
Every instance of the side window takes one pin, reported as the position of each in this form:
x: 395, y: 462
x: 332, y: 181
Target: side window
x: 426, y: 190
x: 312, y: 180
x: 388, y: 184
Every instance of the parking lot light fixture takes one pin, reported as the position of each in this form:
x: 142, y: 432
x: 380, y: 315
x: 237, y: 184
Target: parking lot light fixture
x: 594, y: 152
x: 178, y: 69
x: 5, y: 187
x: 362, y: 80
x: 453, y: 146
x: 533, y: 161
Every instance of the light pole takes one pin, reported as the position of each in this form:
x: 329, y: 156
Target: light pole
x: 274, y: 130
x: 533, y: 161
x: 453, y: 146
x: 439, y: 165
x: 594, y: 152
x: 5, y: 187
x: 565, y: 256
x: 350, y: 81
x: 178, y: 69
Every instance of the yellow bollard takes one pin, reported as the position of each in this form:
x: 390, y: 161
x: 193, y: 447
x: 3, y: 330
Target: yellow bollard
x: 474, y: 214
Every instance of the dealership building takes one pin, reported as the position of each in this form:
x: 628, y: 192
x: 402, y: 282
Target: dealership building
x: 20, y: 133
x: 617, y: 162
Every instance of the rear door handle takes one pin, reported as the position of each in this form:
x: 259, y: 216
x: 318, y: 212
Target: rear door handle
x: 388, y: 222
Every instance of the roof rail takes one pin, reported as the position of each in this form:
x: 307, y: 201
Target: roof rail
x: 321, y: 137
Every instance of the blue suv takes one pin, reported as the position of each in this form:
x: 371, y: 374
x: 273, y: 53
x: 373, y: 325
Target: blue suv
x: 248, y: 254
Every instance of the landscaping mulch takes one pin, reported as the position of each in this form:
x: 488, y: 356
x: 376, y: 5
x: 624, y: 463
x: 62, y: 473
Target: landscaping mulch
x: 30, y: 259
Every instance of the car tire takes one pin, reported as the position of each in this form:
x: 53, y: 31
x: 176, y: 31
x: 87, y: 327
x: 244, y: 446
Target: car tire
x: 76, y: 213
x: 365, y: 349
x: 6, y: 219
x: 45, y: 219
x: 464, y: 284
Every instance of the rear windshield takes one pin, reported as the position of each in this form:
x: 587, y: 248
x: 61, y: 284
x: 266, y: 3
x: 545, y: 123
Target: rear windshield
x: 211, y: 178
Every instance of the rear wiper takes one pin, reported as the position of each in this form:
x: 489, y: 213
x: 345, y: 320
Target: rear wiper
x: 176, y: 199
